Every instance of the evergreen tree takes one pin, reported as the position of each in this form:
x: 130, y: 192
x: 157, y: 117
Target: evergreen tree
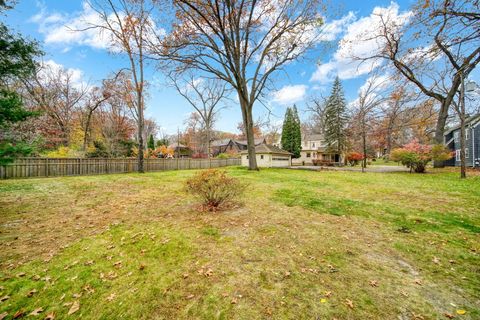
x: 296, y: 134
x: 335, y: 119
x: 16, y: 62
x: 151, y: 142
x: 287, y: 127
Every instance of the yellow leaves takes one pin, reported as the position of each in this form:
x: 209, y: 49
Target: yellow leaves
x: 461, y: 312
x: 323, y: 300
x: 74, y: 308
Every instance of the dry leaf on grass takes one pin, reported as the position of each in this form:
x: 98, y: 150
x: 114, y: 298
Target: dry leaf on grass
x: 374, y: 283
x: 74, y: 308
x: 19, y: 314
x: 50, y: 316
x: 461, y: 312
x: 349, y: 303
x: 449, y: 315
x: 36, y: 312
x: 4, y: 298
x: 3, y: 315
x: 111, y: 297
x: 31, y: 292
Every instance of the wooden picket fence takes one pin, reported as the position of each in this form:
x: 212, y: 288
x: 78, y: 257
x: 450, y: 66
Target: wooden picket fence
x: 56, y: 167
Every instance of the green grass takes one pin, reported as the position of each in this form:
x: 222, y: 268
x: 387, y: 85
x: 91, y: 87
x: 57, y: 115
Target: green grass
x: 303, y: 244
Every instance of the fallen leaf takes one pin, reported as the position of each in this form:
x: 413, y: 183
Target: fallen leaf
x: 31, y: 292
x: 50, y: 316
x: 436, y: 260
x: 141, y: 267
x: 418, y: 281
x: 4, y: 298
x: 18, y: 314
x: 111, y: 297
x: 374, y: 283
x: 449, y: 315
x: 323, y: 300
x: 208, y: 273
x: 118, y: 264
x: 3, y: 315
x: 74, y: 308
x: 328, y: 293
x: 190, y: 296
x: 89, y: 262
x: 36, y: 312
x: 21, y: 274
x: 62, y: 297
x: 461, y: 312
x: 234, y: 300
x: 287, y: 273
x: 88, y: 289
x: 185, y: 275
x: 349, y: 303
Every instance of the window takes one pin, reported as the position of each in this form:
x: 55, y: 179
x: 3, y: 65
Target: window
x: 466, y: 135
x: 313, y: 144
x: 466, y: 153
x: 280, y: 159
x: 456, y: 136
x: 308, y: 154
x: 457, y: 155
x: 261, y: 157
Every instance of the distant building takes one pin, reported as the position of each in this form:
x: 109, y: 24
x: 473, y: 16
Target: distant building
x: 314, y: 149
x: 231, y: 146
x: 180, y: 150
x: 269, y: 156
x: 472, y: 145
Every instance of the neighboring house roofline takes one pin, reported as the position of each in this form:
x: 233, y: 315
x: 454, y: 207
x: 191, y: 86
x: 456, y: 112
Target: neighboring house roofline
x: 473, y: 121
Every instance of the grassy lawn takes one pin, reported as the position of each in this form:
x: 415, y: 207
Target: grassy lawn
x: 302, y: 245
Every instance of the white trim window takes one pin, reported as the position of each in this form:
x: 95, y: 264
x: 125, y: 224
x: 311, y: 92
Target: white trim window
x: 466, y: 134
x: 456, y: 136
x: 466, y: 153
x: 457, y: 155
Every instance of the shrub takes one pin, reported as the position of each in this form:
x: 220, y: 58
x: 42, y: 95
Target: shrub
x: 354, y: 157
x: 416, y: 156
x: 223, y: 156
x: 215, y: 188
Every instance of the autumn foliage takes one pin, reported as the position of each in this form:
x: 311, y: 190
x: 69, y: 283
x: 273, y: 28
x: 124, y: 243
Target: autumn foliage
x: 354, y: 157
x: 215, y: 188
x: 416, y: 156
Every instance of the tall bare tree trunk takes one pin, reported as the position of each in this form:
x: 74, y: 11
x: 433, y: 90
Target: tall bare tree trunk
x: 141, y: 145
x: 463, y: 169
x: 248, y: 122
x: 440, y: 128
x: 86, y: 133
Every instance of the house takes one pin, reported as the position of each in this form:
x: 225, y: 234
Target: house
x: 180, y: 150
x: 231, y: 146
x: 314, y: 149
x: 472, y: 140
x: 269, y: 156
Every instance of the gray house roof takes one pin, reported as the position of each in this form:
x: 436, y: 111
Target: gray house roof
x: 268, y: 148
x: 473, y: 120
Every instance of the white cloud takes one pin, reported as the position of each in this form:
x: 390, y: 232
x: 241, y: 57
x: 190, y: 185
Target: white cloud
x: 360, y: 40
x: 290, y: 94
x: 78, y: 28
x: 51, y: 68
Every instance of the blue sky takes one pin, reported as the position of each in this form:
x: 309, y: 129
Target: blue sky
x: 86, y: 55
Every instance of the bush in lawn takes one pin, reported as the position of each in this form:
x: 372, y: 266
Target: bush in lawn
x: 354, y: 157
x: 416, y: 156
x: 215, y: 188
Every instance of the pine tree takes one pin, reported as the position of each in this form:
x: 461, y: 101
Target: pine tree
x: 151, y: 143
x: 296, y: 134
x: 286, y: 140
x: 335, y: 119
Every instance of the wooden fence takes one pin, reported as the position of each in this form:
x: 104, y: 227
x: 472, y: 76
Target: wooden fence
x: 56, y: 167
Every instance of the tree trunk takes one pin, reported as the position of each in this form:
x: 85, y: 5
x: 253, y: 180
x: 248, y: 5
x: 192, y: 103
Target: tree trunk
x: 141, y: 146
x: 440, y: 129
x: 463, y: 169
x: 364, y: 142
x: 86, y: 135
x: 248, y: 123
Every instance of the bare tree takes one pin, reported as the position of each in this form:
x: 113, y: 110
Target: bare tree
x: 242, y: 43
x: 94, y: 99
x: 440, y: 34
x: 317, y: 109
x: 370, y: 97
x: 127, y: 24
x: 205, y: 96
x: 53, y: 91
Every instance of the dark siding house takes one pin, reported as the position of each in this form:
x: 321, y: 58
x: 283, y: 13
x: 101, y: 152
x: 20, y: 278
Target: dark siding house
x: 472, y: 146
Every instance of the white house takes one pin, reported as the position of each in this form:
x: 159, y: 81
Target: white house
x: 314, y: 149
x: 269, y: 156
